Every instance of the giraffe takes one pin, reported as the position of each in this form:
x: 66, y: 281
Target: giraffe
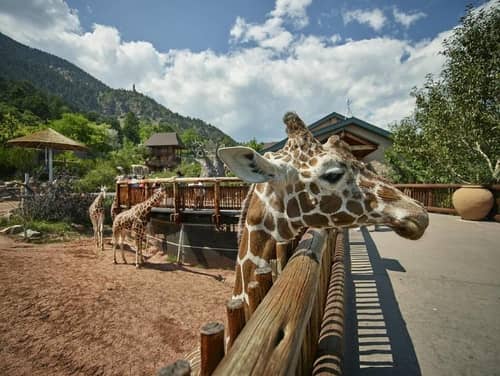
x: 115, y: 208
x: 135, y: 220
x: 96, y: 214
x: 307, y: 184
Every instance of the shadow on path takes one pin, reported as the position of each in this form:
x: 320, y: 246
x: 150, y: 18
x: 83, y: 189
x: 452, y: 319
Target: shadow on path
x: 377, y: 340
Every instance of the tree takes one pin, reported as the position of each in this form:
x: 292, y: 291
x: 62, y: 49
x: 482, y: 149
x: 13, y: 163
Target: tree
x: 254, y: 144
x: 131, y: 128
x: 454, y: 132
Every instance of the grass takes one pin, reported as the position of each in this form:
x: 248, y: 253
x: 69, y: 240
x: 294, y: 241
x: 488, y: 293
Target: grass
x: 51, y: 231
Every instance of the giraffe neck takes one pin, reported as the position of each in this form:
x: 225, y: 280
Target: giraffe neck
x: 264, y: 225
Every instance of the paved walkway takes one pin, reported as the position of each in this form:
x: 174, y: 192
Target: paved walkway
x: 426, y: 307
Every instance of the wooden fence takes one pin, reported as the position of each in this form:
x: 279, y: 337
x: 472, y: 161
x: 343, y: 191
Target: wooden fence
x: 227, y: 194
x: 296, y: 324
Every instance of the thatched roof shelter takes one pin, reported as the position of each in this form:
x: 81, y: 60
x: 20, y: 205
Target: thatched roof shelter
x: 47, y: 139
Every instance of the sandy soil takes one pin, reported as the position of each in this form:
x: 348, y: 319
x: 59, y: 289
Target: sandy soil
x: 65, y: 311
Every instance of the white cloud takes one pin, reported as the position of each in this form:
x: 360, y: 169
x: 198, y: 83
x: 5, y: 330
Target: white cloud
x: 406, y: 19
x: 374, y: 18
x: 292, y: 9
x: 246, y: 91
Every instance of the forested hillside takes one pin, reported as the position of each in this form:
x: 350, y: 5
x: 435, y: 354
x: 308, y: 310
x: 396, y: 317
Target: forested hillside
x: 85, y: 93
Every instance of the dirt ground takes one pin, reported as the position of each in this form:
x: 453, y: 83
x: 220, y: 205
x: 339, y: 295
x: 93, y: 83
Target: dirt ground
x: 65, y: 311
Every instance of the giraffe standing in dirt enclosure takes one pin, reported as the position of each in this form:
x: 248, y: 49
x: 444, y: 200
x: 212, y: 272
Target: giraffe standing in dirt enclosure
x: 96, y: 214
x: 307, y: 184
x: 135, y: 220
x: 115, y: 208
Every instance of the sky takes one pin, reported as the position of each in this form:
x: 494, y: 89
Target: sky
x: 241, y: 64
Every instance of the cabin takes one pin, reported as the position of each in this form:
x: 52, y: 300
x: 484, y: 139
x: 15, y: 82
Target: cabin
x: 368, y: 142
x: 164, y: 151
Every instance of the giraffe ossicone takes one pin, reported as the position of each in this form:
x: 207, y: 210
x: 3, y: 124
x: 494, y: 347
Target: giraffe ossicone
x: 309, y: 184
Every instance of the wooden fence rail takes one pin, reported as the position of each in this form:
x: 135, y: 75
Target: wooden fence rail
x: 227, y: 194
x: 289, y: 331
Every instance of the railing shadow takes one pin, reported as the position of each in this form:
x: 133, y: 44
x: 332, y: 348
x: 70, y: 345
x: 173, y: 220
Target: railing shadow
x: 377, y: 340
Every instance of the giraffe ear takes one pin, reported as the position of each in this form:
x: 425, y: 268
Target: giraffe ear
x: 249, y: 165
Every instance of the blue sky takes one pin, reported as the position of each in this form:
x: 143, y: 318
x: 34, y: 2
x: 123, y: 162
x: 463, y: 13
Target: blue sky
x: 240, y: 65
x: 200, y: 25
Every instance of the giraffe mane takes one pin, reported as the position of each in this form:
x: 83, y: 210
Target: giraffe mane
x: 244, y: 211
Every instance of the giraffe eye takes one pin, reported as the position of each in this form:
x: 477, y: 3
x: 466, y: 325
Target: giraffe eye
x: 333, y: 176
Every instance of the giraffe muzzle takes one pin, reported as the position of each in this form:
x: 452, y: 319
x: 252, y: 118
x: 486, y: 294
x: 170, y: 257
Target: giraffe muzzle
x: 411, y: 227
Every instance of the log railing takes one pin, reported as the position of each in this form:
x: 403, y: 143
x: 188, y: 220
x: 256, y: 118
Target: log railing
x: 297, y: 322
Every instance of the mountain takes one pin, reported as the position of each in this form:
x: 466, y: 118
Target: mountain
x: 80, y: 90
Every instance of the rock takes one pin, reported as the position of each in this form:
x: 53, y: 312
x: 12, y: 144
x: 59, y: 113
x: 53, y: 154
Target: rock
x: 78, y: 227
x: 31, y: 234
x: 11, y: 230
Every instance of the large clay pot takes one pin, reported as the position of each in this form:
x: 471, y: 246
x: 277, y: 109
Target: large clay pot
x: 472, y: 203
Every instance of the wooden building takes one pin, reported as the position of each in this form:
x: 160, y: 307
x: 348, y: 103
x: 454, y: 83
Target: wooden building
x: 368, y: 142
x: 164, y: 151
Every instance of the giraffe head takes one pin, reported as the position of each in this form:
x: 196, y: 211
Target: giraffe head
x: 103, y: 190
x: 307, y: 184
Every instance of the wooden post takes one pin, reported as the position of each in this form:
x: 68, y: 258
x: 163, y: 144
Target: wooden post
x: 264, y: 276
x: 254, y: 296
x: 235, y: 319
x: 176, y: 202
x: 281, y: 255
x: 179, y: 368
x: 118, y: 199
x: 217, y: 203
x: 129, y: 196
x: 212, y: 347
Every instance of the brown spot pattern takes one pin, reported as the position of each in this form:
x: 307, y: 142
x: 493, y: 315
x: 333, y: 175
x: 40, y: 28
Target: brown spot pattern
x: 313, y: 162
x: 354, y: 207
x: 343, y: 218
x: 305, y: 202
x: 256, y: 211
x: 292, y: 208
x: 330, y: 204
x: 316, y: 220
x: 299, y: 187
x: 277, y: 204
x: 314, y: 188
x: 305, y: 174
x: 269, y: 222
x: 283, y: 229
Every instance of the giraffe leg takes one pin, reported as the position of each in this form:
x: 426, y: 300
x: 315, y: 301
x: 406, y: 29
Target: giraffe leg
x: 101, y: 233
x: 96, y: 235
x: 115, y: 243
x: 138, y: 248
x: 122, y: 237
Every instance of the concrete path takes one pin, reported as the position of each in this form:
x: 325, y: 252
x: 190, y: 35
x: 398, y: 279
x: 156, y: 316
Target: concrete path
x: 426, y: 307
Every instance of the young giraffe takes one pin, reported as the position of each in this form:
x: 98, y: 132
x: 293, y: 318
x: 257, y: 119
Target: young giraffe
x: 96, y: 214
x: 135, y: 220
x: 307, y: 184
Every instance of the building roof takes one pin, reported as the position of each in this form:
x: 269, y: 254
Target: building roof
x: 164, y: 139
x: 47, y: 138
x: 334, y: 128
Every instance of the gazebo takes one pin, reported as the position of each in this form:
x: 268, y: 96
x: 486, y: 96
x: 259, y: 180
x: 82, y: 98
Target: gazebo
x: 49, y: 140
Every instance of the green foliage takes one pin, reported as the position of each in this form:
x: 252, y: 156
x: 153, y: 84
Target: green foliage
x: 254, y: 144
x: 102, y: 174
x: 79, y: 128
x: 131, y: 128
x: 454, y: 133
